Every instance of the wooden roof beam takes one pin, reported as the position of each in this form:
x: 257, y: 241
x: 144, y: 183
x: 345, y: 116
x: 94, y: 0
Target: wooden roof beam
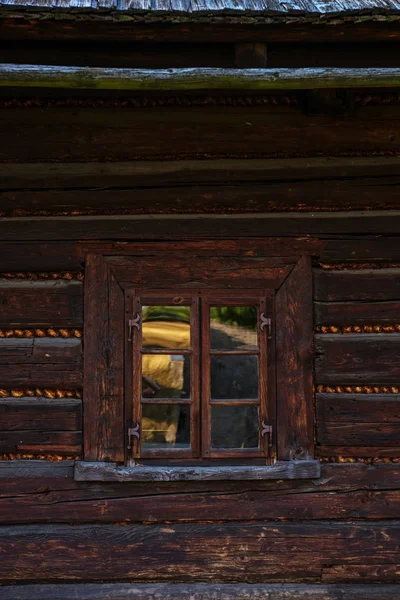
x: 194, y: 79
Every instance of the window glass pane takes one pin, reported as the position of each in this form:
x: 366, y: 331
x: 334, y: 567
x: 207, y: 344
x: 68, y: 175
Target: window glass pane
x: 234, y: 426
x: 234, y: 377
x: 165, y: 425
x: 165, y: 376
x: 166, y: 327
x: 233, y: 327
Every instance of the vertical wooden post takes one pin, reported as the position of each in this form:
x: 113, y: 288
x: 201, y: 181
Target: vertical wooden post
x: 294, y: 346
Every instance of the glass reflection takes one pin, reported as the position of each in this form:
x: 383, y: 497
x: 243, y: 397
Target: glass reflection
x: 165, y: 425
x: 166, y: 327
x: 234, y: 426
x: 165, y: 376
x: 233, y: 327
x: 234, y: 377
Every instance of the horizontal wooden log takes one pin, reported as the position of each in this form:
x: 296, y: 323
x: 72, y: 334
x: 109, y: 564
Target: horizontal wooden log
x: 104, y: 134
x: 219, y: 186
x: 361, y: 249
x: 23, y: 469
x: 41, y: 351
x: 358, y: 434
x: 63, y: 443
x: 227, y: 552
x: 356, y: 313
x: 358, y: 408
x: 355, y: 491
x: 199, y: 226
x: 357, y: 358
x: 360, y: 451
x: 55, y: 303
x: 201, y: 591
x: 361, y: 285
x: 37, y: 76
x: 61, y: 414
x: 98, y: 471
x: 361, y: 573
x: 53, y: 376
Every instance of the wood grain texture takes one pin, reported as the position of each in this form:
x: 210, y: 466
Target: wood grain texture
x: 30, y: 414
x: 358, y: 434
x: 356, y: 313
x: 305, y: 469
x: 359, y: 451
x: 55, y: 303
x: 131, y: 133
x: 230, y: 552
x: 37, y: 441
x: 344, y: 491
x: 193, y: 79
x: 357, y: 358
x: 362, y: 285
x: 103, y: 356
x: 294, y: 363
x: 205, y: 591
x: 358, y: 408
x: 186, y: 227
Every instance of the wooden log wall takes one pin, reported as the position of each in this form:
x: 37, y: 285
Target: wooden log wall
x: 41, y: 319
x: 357, y: 373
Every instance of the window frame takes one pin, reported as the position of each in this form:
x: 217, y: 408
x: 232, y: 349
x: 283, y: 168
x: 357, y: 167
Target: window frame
x: 105, y: 418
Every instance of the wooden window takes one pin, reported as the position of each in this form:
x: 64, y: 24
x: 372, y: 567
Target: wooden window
x: 172, y: 390
x: 197, y: 375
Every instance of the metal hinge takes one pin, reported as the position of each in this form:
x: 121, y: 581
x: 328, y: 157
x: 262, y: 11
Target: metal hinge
x: 266, y: 430
x: 133, y: 432
x: 133, y: 323
x: 266, y: 322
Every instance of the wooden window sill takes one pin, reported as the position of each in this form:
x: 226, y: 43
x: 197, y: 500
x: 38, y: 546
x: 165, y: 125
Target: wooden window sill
x: 102, y: 471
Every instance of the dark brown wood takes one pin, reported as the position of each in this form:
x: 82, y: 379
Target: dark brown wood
x: 358, y: 434
x: 36, y: 469
x: 296, y: 551
x: 251, y: 56
x: 103, y: 376
x: 55, y: 375
x: 201, y: 591
x: 357, y: 358
x: 62, y: 443
x: 293, y: 361
x: 211, y: 272
x: 356, y: 313
x: 358, y: 408
x: 31, y: 414
x: 45, y: 350
x: 186, y: 227
x: 55, y: 303
x: 361, y: 285
x: 362, y: 573
x: 131, y: 133
x: 360, y: 451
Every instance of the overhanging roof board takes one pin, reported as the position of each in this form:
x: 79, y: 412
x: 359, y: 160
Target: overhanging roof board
x: 194, y: 79
x: 272, y: 7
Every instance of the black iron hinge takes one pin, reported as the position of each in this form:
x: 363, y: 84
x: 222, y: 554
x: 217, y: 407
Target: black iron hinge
x: 135, y: 322
x: 267, y: 430
x: 133, y: 432
x: 266, y: 322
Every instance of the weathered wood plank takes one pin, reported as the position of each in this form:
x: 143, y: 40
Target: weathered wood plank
x: 343, y: 491
x: 358, y: 408
x: 193, y: 79
x: 357, y: 358
x: 209, y: 552
x: 294, y: 369
x: 131, y: 133
x: 204, y: 591
x: 41, y: 351
x: 55, y: 303
x: 63, y: 443
x: 360, y: 451
x: 358, y: 434
x: 24, y: 469
x: 40, y: 257
x: 364, y: 573
x: 39, y: 375
x: 303, y: 469
x: 361, y: 285
x: 210, y: 272
x: 367, y: 248
x: 154, y: 227
x: 58, y: 414
x: 356, y: 313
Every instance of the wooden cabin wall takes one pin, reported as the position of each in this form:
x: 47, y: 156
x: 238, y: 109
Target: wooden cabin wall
x: 341, y: 528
